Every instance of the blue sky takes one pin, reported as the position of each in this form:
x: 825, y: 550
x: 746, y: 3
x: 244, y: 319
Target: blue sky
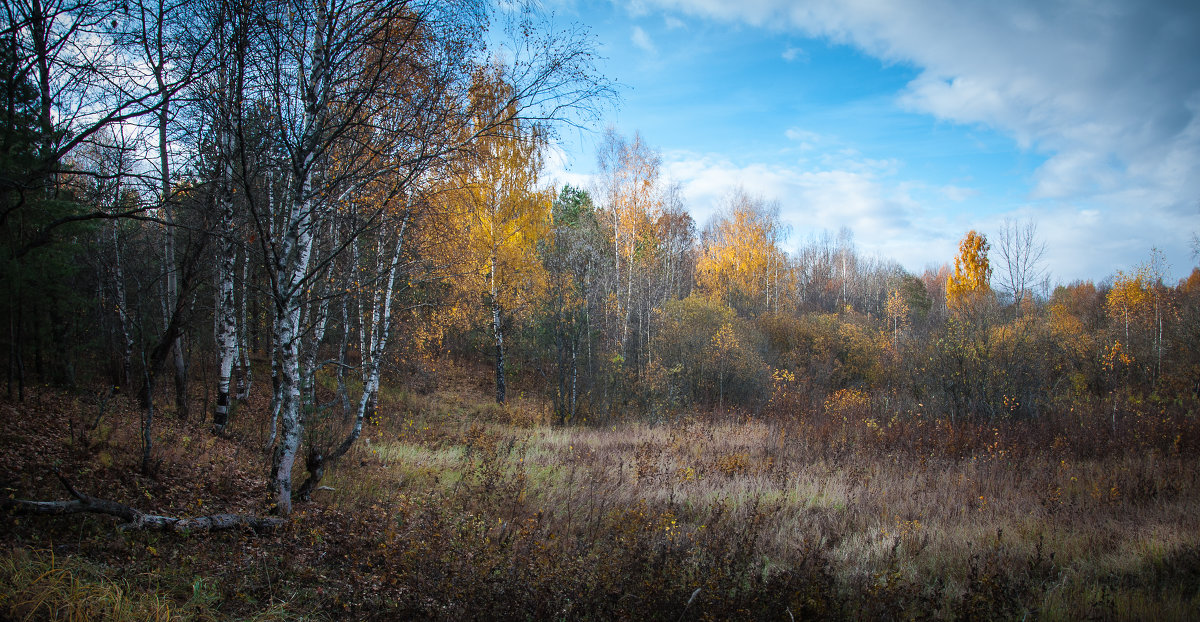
x: 912, y: 122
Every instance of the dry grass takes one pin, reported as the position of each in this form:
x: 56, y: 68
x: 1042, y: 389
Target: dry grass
x: 37, y: 586
x: 454, y: 509
x: 909, y: 509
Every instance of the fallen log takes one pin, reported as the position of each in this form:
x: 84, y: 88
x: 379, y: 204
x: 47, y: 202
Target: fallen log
x: 136, y: 519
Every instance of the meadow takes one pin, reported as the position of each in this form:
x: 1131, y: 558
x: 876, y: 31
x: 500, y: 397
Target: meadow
x: 456, y: 508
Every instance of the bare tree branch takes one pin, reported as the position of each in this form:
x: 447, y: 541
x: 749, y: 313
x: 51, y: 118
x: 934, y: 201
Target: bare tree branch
x: 1021, y: 257
x: 136, y: 519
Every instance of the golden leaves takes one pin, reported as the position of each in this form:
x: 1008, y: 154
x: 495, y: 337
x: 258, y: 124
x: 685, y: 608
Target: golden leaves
x: 741, y: 263
x: 972, y: 272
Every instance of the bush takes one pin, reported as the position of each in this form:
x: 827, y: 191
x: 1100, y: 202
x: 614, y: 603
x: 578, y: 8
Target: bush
x: 707, y: 354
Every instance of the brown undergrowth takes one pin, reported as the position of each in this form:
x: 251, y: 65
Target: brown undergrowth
x: 453, y: 509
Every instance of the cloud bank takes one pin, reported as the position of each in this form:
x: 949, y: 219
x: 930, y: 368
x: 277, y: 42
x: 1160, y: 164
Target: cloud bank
x: 1107, y: 91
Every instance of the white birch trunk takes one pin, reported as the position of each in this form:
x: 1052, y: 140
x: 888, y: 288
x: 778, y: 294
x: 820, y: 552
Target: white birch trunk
x: 246, y: 377
x: 224, y: 307
x: 224, y: 312
x: 380, y: 328
x: 381, y: 321
x: 292, y: 267
x: 276, y: 399
x: 498, y: 333
x: 291, y: 271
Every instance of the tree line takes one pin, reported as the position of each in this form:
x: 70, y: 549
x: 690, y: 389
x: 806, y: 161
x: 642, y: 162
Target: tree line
x: 274, y: 171
x: 331, y: 192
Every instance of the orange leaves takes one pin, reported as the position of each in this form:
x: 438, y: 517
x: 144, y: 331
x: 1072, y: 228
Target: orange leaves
x: 972, y: 272
x: 497, y: 208
x: 1115, y: 356
x: 1131, y: 296
x: 741, y: 263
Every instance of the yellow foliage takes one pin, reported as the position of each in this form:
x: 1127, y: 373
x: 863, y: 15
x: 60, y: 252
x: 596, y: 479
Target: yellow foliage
x: 972, y: 272
x: 500, y: 212
x: 897, y: 311
x: 725, y: 341
x: 847, y: 404
x: 1131, y: 299
x: 1068, y: 331
x: 741, y: 263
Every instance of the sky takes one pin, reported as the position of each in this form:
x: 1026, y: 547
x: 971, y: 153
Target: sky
x: 911, y: 122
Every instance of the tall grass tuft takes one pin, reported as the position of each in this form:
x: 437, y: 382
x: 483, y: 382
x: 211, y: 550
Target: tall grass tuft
x: 37, y: 585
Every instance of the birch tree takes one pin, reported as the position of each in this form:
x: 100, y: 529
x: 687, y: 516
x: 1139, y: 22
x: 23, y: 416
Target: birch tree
x: 741, y: 263
x: 970, y: 283
x: 231, y: 40
x: 353, y: 83
x: 332, y: 72
x: 629, y: 178
x: 374, y: 302
x: 1021, y: 256
x: 504, y: 212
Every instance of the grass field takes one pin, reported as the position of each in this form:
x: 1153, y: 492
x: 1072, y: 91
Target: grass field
x: 452, y: 508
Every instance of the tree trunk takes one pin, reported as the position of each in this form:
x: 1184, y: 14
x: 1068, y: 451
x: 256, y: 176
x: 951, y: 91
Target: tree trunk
x: 136, y: 519
x: 225, y: 309
x: 224, y: 331
x: 381, y: 320
x: 287, y: 327
x: 498, y: 333
x: 118, y: 284
x: 175, y: 324
x: 574, y: 378
x: 291, y: 270
x: 179, y: 364
x: 290, y: 408
x: 147, y: 425
x: 246, y: 373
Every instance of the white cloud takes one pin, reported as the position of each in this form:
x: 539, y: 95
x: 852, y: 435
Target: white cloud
x: 884, y: 216
x: 1084, y: 243
x: 805, y: 140
x: 643, y: 41
x: 791, y: 53
x: 557, y: 171
x: 1107, y: 91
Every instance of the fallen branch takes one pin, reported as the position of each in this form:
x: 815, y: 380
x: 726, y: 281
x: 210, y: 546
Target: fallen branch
x: 136, y: 519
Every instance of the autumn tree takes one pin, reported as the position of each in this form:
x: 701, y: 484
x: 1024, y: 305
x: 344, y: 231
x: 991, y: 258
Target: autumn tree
x: 970, y: 283
x: 1138, y: 303
x: 1181, y: 366
x: 707, y: 353
x: 740, y: 260
x: 504, y: 211
x: 632, y: 202
x: 897, y: 311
